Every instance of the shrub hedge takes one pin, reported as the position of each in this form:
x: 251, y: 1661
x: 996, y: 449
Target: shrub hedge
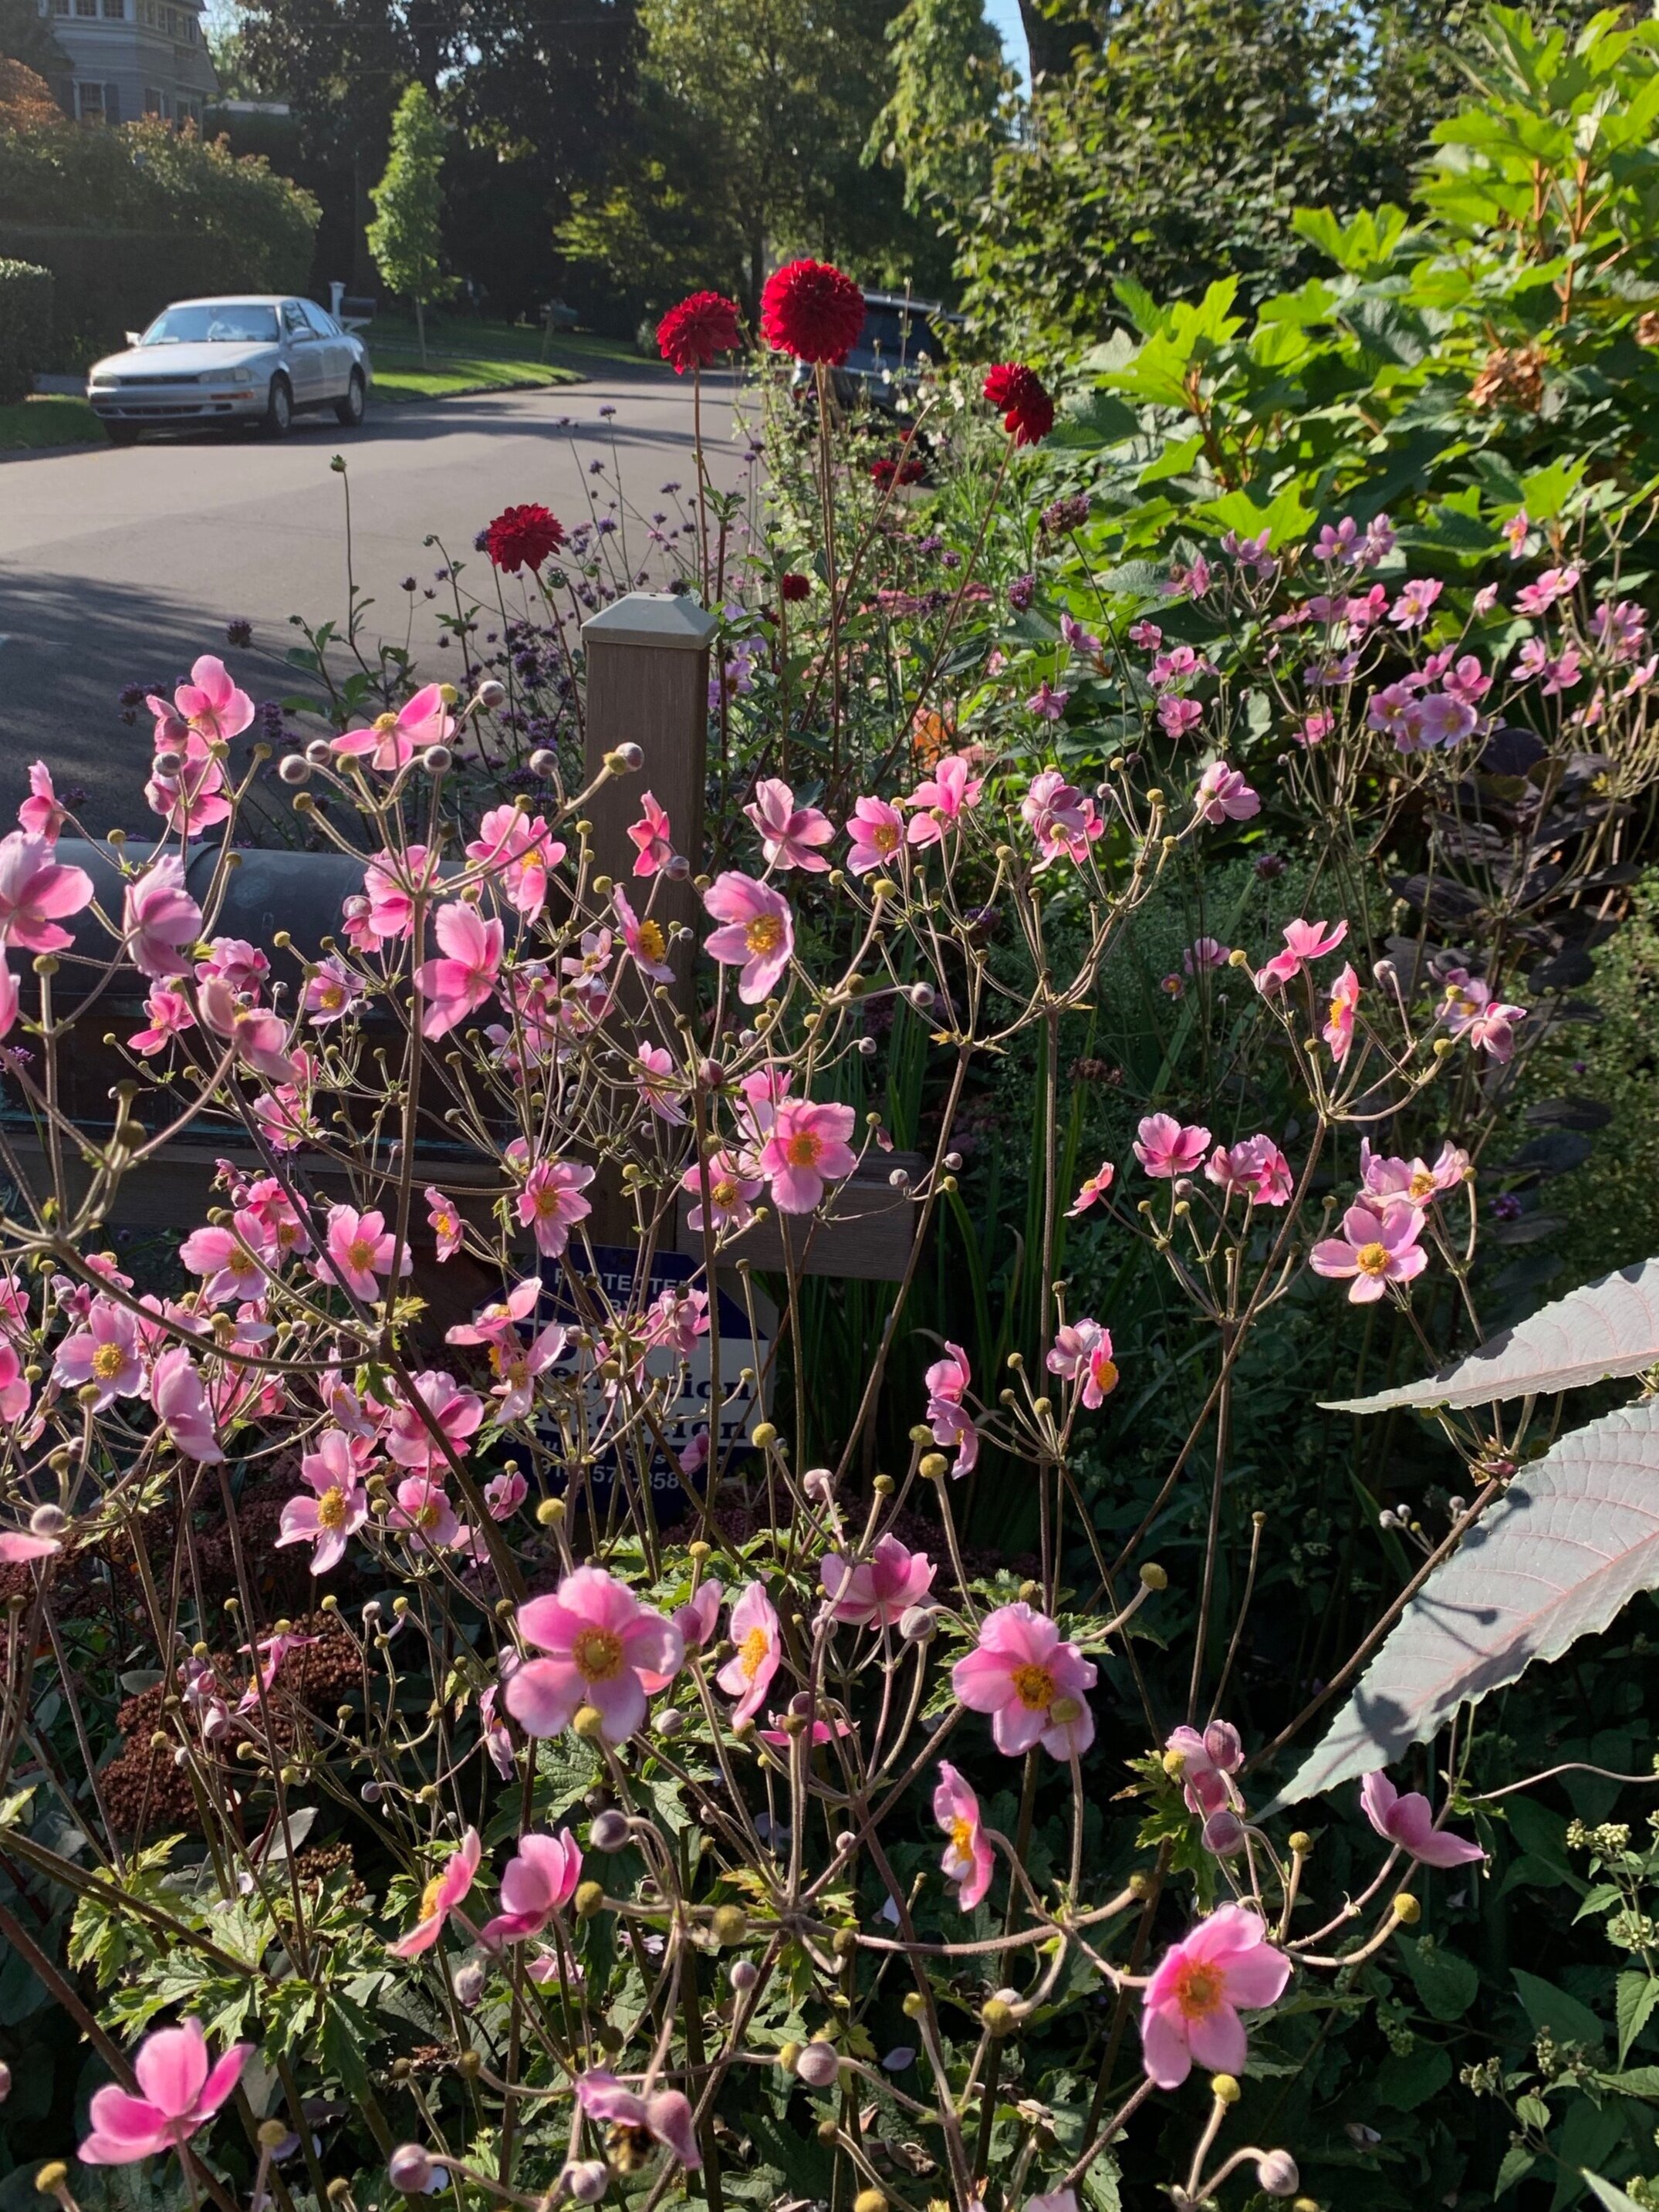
x: 25, y: 326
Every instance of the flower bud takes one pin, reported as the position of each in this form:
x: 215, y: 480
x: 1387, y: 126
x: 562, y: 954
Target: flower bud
x: 271, y: 2134
x: 609, y: 1832
x: 763, y: 1435
x: 1225, y: 2088
x: 1224, y: 1832
x: 921, y: 996
x: 1406, y: 1910
x: 5, y: 2080
x: 869, y: 2200
x: 589, y: 1724
x: 47, y: 1521
x: 728, y: 1924
x: 676, y: 867
x: 51, y: 2177
x: 491, y: 694
x: 1153, y: 1577
x: 293, y: 769
x: 934, y: 1466
x: 167, y: 762
x: 320, y: 752
x: 543, y: 762
x: 817, y: 2066
x: 997, y: 2015
x: 585, y: 2179
x: 436, y: 759
x: 819, y: 1484
x: 917, y: 1623
x: 1277, y: 2174
x: 550, y: 1512
x: 630, y: 756
x: 469, y: 1985
x: 589, y: 1900
x: 742, y: 1974
x: 1301, y: 1843
x: 668, y: 1723
x: 410, y: 2169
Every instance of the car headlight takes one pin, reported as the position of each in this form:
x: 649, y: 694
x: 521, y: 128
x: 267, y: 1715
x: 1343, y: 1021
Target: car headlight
x: 104, y: 384
x: 239, y: 376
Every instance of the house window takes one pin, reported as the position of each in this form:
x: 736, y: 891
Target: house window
x: 89, y: 102
x: 60, y: 7
x: 152, y: 100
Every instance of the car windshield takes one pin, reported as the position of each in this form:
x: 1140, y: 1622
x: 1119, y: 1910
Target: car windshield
x: 217, y: 322
x: 896, y: 335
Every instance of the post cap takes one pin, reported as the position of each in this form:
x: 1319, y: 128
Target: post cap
x: 673, y: 620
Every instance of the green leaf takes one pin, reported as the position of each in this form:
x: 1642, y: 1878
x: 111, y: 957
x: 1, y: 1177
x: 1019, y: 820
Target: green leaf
x: 804, y: 2163
x: 1446, y: 1983
x: 1410, y: 2078
x: 1100, y: 2186
x: 1519, y: 2163
x: 1533, y: 2112
x: 1636, y: 2081
x: 1609, y: 2194
x: 1636, y: 1996
x: 1565, y: 2017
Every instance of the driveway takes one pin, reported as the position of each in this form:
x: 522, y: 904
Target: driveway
x: 119, y: 567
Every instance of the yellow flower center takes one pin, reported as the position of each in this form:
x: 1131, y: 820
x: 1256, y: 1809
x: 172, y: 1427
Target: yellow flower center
x: 1198, y: 1989
x: 361, y: 1254
x: 651, y: 942
x: 385, y: 722
x: 756, y: 1646
x: 1105, y: 1377
x: 547, y: 1201
x: 1372, y: 1259
x: 724, y: 1193
x: 331, y: 1508
x: 802, y: 1150
x: 427, y: 1515
x: 598, y: 1654
x: 764, y: 934
x: 330, y: 998
x: 108, y: 1361
x: 1337, y: 1010
x: 885, y: 836
x: 962, y: 1838
x: 1421, y: 1185
x: 429, y: 1897
x: 242, y: 1262
x: 1034, y: 1686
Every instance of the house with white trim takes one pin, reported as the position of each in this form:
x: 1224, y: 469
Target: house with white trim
x: 133, y: 58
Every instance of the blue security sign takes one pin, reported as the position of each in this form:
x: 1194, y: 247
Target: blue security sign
x: 617, y: 1295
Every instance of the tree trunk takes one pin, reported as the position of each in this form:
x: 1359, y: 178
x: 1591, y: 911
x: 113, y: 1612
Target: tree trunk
x: 1051, y: 39
x: 419, y: 327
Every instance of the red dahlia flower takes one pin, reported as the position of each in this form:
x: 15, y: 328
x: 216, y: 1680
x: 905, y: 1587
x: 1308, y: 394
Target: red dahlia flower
x: 794, y: 587
x: 811, y: 310
x: 522, y: 537
x: 1028, y: 412
x: 690, y: 335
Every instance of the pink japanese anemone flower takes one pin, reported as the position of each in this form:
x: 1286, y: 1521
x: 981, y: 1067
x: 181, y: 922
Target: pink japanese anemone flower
x: 968, y: 1860
x: 391, y: 740
x: 600, y: 1640
x: 539, y: 1881
x: 441, y: 1897
x: 465, y: 979
x: 759, y: 936
x: 160, y: 919
x: 1029, y: 1681
x: 748, y: 1674
x: 789, y: 835
x: 808, y: 1148
x: 1409, y: 1822
x: 180, y: 2091
x: 663, y: 2118
x: 1378, y: 1246
x: 874, y: 1593
x: 1193, y: 2000
x: 36, y: 893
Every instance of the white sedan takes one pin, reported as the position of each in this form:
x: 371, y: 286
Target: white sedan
x: 260, y: 359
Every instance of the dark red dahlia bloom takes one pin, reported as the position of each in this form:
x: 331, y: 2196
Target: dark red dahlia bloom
x: 522, y: 537
x: 690, y: 335
x: 811, y: 310
x: 1028, y: 412
x: 885, y: 473
x: 794, y: 587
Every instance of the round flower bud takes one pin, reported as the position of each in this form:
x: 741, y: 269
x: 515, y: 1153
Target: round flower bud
x: 819, y: 1484
x: 742, y: 1974
x: 845, y: 1842
x: 998, y: 2016
x: 293, y: 768
x: 1153, y: 1577
x: 1406, y: 1909
x: 1224, y: 1832
x: 167, y: 762
x: 436, y: 759
x: 728, y: 1924
x: 788, y: 2054
x: 829, y: 2131
x: 917, y: 1623
x: 1300, y: 1843
x: 585, y: 2179
x: 915, y: 2004
x: 921, y: 996
x: 320, y: 752
x: 869, y: 2200
x: 609, y: 1832
x: 934, y: 1466
x: 817, y: 2066
x: 668, y: 1723
x: 630, y: 756
x: 763, y: 1435
x: 550, y: 1512
x: 1277, y: 2174
x: 410, y: 2169
x: 51, y: 2177
x: 469, y: 1983
x: 589, y: 1900
x: 271, y: 2134
x: 543, y: 762
x: 492, y: 694
x: 47, y: 1521
x: 1225, y: 2088
x: 589, y: 1724
x: 676, y: 867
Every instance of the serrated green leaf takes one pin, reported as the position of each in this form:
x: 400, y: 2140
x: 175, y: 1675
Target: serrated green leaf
x: 1446, y: 1983
x: 1635, y: 1996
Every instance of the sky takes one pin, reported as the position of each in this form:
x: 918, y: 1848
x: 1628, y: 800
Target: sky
x: 1005, y: 16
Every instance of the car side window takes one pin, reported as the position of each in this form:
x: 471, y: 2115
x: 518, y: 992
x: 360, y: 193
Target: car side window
x: 322, y: 324
x: 292, y: 321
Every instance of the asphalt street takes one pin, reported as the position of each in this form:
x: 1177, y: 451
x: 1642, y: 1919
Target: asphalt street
x: 119, y: 567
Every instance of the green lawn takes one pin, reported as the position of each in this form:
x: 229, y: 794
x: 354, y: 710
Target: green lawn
x: 51, y: 420
x: 464, y: 355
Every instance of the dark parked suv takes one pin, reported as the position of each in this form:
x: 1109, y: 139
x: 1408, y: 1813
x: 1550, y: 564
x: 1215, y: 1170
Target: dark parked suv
x: 899, y: 335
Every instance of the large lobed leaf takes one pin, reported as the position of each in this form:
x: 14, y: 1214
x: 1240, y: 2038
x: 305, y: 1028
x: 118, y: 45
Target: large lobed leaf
x: 1609, y: 1327
x: 1571, y: 1541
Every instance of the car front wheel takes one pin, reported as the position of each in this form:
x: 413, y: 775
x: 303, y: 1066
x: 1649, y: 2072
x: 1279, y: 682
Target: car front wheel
x: 279, y: 409
x: 349, y: 410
